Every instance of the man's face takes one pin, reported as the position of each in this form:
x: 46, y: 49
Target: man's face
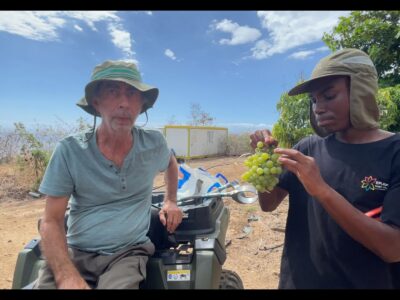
x: 118, y: 103
x: 331, y: 104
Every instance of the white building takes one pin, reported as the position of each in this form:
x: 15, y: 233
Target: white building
x: 196, y: 141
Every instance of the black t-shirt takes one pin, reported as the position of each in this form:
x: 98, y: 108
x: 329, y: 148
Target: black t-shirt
x: 318, y: 253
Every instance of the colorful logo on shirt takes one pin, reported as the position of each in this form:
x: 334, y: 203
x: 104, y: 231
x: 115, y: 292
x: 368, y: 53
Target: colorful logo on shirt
x: 370, y: 183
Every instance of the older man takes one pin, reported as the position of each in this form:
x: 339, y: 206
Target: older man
x: 106, y: 175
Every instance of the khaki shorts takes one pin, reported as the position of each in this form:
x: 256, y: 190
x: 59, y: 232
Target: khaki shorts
x: 124, y: 269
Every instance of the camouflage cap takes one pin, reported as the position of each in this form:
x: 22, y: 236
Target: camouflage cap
x: 357, y: 65
x: 118, y: 71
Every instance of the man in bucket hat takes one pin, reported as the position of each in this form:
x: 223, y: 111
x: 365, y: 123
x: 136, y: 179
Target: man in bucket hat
x: 107, y: 176
x: 343, y: 224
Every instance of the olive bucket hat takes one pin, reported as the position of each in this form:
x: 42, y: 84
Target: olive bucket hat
x: 358, y: 66
x: 118, y: 71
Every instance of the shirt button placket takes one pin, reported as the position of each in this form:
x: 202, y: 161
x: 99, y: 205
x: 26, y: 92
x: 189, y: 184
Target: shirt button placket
x: 123, y: 183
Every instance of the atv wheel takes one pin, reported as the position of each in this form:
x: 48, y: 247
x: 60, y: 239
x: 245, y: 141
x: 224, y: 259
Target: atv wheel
x: 230, y: 281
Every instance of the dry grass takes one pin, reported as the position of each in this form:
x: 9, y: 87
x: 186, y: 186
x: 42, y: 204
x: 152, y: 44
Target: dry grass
x: 14, y: 182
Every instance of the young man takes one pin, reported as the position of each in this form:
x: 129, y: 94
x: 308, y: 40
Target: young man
x: 107, y: 177
x: 343, y: 224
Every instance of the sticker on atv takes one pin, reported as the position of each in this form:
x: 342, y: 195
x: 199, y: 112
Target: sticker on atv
x: 178, y: 275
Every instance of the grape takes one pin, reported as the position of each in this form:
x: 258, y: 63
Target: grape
x: 263, y: 168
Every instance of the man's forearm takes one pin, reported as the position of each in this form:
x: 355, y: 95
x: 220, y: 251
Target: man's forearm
x: 54, y: 246
x: 378, y: 237
x: 171, y: 180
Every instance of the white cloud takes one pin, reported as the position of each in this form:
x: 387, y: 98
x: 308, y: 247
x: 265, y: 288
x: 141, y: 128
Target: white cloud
x: 240, y: 34
x: 77, y: 27
x: 302, y: 54
x: 132, y: 60
x: 46, y: 25
x: 321, y: 49
x: 290, y: 29
x: 92, y: 17
x: 121, y: 38
x: 260, y: 50
x: 169, y: 53
x: 244, y: 127
x: 32, y: 25
x: 245, y: 124
x: 307, y: 53
x: 150, y: 13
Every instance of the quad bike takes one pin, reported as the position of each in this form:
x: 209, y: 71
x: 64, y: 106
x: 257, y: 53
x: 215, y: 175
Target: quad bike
x: 191, y: 258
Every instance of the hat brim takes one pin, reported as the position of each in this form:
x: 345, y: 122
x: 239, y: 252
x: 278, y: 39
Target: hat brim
x: 149, y: 92
x: 82, y: 103
x: 310, y: 85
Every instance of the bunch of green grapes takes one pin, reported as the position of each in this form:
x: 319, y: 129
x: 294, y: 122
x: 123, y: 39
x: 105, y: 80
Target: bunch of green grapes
x: 263, y: 168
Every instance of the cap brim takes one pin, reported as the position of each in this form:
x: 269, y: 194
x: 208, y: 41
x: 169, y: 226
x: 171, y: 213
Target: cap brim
x: 309, y: 85
x: 299, y: 89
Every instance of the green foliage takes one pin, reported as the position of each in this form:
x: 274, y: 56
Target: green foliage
x: 376, y: 33
x: 389, y: 105
x: 30, y: 141
x: 294, y: 120
x: 32, y: 154
x: 32, y: 148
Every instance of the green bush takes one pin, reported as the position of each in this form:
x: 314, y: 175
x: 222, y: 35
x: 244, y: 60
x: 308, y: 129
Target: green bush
x: 32, y: 155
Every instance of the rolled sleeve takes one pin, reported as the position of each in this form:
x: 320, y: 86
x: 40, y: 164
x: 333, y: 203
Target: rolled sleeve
x: 57, y: 180
x: 165, y: 154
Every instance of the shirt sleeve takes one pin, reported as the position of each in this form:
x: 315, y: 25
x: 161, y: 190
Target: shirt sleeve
x: 57, y: 180
x: 165, y: 154
x: 285, y: 180
x: 391, y: 203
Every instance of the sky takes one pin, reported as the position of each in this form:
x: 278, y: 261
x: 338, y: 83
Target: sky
x: 234, y: 64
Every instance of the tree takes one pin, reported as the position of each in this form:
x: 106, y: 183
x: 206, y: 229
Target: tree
x: 33, y: 156
x: 199, y: 117
x: 389, y: 106
x: 376, y: 33
x: 294, y: 120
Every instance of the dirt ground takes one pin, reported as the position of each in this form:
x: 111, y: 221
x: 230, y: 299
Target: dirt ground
x: 255, y: 254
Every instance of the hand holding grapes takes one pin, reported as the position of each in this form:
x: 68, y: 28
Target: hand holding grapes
x: 263, y: 168
x: 264, y: 136
x: 305, y: 168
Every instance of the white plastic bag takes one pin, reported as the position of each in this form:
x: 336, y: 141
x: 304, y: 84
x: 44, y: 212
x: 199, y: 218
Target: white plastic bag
x: 194, y: 181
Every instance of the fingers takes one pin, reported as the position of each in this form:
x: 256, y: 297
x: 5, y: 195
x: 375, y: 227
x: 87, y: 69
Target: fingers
x: 162, y: 217
x: 255, y: 138
x: 264, y: 136
x: 270, y: 141
x: 171, y: 219
x: 302, y: 165
x: 173, y: 222
x: 292, y: 159
x: 290, y: 153
x: 289, y: 164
